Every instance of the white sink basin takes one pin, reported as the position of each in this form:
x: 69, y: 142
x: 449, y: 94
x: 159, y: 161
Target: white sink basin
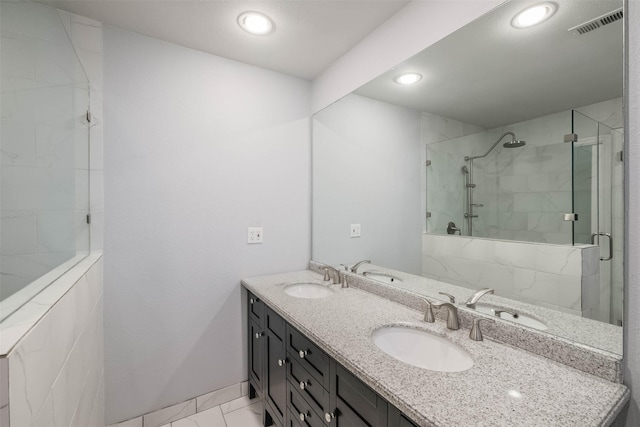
x: 422, y: 349
x: 382, y: 277
x: 522, y: 319
x: 308, y: 290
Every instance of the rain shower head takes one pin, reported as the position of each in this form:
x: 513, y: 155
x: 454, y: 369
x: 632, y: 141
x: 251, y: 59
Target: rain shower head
x: 514, y: 143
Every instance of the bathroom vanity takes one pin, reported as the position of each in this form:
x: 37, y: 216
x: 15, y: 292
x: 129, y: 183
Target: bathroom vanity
x: 312, y: 362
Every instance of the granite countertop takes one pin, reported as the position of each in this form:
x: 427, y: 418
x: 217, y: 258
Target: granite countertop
x: 506, y: 386
x: 593, y: 333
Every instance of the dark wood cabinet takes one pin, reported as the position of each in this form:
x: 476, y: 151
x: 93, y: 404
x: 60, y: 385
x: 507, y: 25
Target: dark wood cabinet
x: 397, y: 418
x: 355, y: 404
x: 301, y: 386
x: 255, y: 345
x: 276, y: 361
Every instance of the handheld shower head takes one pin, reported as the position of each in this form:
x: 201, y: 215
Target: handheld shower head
x: 465, y: 170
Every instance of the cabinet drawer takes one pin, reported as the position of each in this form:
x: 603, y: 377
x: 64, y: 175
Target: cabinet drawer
x: 310, y: 357
x: 275, y: 323
x: 256, y: 308
x: 310, y: 390
x: 356, y: 403
x: 302, y: 411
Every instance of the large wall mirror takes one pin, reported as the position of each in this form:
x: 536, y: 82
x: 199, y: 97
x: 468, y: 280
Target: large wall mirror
x: 500, y: 166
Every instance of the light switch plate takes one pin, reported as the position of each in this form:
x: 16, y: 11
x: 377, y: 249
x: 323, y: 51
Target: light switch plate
x: 355, y: 230
x: 254, y: 235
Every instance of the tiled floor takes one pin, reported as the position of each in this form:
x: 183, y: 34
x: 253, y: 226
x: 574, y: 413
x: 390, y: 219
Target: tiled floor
x: 241, y: 412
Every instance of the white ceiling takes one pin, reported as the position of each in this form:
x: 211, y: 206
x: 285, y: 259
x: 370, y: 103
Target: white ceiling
x: 310, y: 34
x: 491, y: 74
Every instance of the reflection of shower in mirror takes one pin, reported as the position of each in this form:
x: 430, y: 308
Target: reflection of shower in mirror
x: 469, y: 185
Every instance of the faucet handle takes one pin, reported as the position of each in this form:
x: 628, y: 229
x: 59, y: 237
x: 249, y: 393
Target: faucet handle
x: 428, y: 314
x: 475, y: 333
x: 327, y: 275
x: 452, y: 299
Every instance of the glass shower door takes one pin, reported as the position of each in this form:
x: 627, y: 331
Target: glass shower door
x: 597, y: 199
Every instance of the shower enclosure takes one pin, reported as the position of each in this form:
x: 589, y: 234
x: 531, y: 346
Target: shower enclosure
x: 44, y: 153
x: 564, y: 186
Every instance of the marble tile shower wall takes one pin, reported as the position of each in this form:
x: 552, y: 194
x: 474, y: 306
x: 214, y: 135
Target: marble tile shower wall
x: 564, y: 278
x: 56, y: 371
x: 446, y: 198
x: 44, y: 146
x: 524, y: 191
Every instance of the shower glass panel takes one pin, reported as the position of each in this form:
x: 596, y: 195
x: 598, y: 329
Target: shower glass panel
x: 44, y: 153
x: 597, y: 199
x: 514, y: 192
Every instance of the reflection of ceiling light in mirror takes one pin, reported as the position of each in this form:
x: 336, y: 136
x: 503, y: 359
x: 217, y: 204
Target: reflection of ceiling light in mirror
x: 534, y: 15
x: 408, y: 79
x: 255, y: 23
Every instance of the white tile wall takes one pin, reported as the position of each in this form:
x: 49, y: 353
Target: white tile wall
x: 557, y: 277
x: 55, y: 371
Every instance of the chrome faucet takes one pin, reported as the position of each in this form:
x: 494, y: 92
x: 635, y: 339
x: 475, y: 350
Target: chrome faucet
x: 453, y: 321
x: 330, y: 272
x: 354, y: 269
x: 473, y: 299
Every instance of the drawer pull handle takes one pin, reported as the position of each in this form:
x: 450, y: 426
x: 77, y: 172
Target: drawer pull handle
x: 259, y: 334
x: 251, y: 301
x: 302, y: 354
x: 304, y: 385
x: 304, y: 416
x: 281, y: 362
x: 329, y: 416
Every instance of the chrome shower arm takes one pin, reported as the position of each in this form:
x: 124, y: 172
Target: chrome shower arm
x: 513, y: 137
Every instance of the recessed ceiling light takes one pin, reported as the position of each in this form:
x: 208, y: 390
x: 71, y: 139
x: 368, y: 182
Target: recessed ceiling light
x: 408, y: 78
x: 255, y: 23
x: 534, y: 15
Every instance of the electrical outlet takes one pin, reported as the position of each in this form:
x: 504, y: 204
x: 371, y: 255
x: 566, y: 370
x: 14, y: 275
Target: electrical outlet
x: 254, y: 235
x: 355, y: 230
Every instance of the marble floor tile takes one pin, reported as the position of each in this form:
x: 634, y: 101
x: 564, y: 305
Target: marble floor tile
x: 210, y: 418
x: 236, y: 404
x: 248, y: 416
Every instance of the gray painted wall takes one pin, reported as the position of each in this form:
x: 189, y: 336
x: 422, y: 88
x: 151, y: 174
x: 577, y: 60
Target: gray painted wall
x: 380, y: 190
x: 632, y: 258
x: 197, y: 149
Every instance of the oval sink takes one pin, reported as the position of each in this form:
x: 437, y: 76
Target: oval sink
x: 422, y: 349
x: 382, y: 277
x: 308, y: 290
x: 522, y: 319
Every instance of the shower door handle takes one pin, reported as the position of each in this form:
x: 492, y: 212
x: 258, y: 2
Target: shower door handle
x: 593, y: 241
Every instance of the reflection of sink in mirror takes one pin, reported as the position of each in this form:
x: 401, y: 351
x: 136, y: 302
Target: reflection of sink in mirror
x: 522, y: 319
x: 422, y: 349
x: 382, y: 276
x: 308, y: 290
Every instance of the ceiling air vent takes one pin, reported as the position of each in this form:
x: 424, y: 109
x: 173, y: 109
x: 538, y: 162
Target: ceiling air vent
x: 598, y: 22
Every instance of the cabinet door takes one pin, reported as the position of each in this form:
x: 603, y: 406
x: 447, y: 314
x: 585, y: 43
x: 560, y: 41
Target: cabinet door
x: 256, y: 358
x: 356, y: 405
x: 397, y: 418
x: 276, y: 375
